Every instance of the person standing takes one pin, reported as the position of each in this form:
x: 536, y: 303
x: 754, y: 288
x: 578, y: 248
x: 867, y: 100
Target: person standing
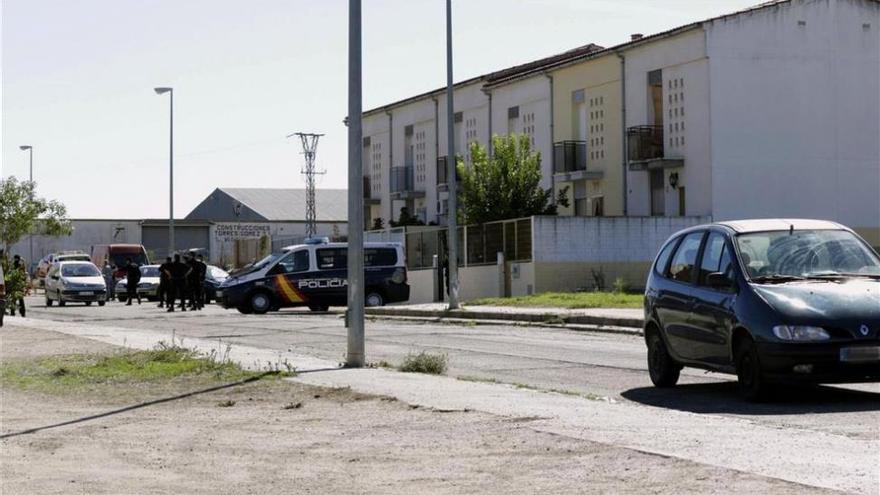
x: 21, y: 287
x: 109, y: 279
x: 164, y: 281
x: 133, y: 278
x: 177, y: 289
x: 201, y: 273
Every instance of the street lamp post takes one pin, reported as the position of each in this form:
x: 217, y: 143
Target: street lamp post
x: 355, y: 313
x: 170, y: 91
x: 452, y: 236
x: 30, y: 150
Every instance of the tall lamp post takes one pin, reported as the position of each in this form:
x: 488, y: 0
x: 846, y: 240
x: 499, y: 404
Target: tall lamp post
x: 170, y: 91
x: 452, y: 236
x: 30, y: 150
x: 355, y: 314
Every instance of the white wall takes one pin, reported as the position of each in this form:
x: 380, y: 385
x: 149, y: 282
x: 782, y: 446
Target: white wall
x: 605, y: 239
x: 682, y: 56
x: 480, y: 281
x: 421, y: 286
x: 532, y: 95
x: 796, y: 112
x: 86, y: 233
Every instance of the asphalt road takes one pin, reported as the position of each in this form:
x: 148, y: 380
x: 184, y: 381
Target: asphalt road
x: 595, y: 364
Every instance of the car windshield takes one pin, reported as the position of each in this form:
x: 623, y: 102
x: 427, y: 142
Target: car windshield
x: 149, y: 271
x: 79, y: 270
x: 217, y: 273
x: 805, y: 253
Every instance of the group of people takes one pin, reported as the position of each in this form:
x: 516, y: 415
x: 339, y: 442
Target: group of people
x: 182, y: 280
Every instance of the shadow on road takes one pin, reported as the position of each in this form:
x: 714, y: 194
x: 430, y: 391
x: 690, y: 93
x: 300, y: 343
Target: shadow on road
x: 709, y: 398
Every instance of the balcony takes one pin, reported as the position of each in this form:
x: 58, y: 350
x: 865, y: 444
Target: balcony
x: 645, y: 145
x: 369, y: 197
x: 403, y: 183
x: 570, y: 162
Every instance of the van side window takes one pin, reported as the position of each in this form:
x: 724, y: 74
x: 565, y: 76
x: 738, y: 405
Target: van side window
x: 663, y: 258
x: 332, y: 258
x: 682, y: 267
x: 380, y: 257
x: 296, y: 262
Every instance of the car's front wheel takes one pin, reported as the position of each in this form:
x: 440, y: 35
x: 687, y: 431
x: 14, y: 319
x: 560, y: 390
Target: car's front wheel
x: 749, y: 375
x: 61, y: 302
x: 663, y: 369
x: 260, y: 302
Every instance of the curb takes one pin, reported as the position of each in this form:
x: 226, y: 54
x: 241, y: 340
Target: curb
x: 513, y: 323
x: 595, y: 323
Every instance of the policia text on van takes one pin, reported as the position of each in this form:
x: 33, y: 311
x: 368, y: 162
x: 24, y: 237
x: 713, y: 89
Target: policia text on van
x: 315, y: 275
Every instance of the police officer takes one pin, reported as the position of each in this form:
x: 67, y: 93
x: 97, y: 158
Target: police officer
x: 18, y: 266
x: 109, y: 279
x: 192, y: 280
x: 133, y: 278
x: 201, y: 270
x: 164, y: 281
x: 177, y: 272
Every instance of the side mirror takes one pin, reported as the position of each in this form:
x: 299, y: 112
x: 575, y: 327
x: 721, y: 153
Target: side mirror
x: 719, y: 280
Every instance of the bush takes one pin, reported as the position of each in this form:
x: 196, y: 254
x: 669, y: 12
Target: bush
x: 423, y: 362
x: 620, y: 285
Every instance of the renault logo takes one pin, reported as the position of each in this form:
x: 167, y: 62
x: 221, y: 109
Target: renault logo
x: 864, y: 330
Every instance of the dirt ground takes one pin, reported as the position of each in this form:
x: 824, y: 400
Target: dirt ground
x: 281, y: 436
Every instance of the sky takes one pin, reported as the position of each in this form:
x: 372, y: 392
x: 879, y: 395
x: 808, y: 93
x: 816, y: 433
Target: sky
x: 78, y: 79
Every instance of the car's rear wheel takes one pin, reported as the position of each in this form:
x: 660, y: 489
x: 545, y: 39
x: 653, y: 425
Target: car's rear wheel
x: 88, y: 303
x: 663, y: 369
x: 374, y: 298
x: 101, y: 303
x: 749, y: 375
x: 48, y: 301
x: 245, y: 310
x: 260, y: 302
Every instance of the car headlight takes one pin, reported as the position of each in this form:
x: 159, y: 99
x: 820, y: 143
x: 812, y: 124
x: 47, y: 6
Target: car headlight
x: 800, y: 333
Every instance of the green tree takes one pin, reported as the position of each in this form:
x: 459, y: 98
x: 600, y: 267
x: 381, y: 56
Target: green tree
x: 22, y: 213
x: 505, y: 185
x: 406, y: 218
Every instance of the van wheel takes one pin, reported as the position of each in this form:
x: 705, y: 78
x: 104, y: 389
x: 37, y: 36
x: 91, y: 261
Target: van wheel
x: 319, y: 307
x: 749, y: 375
x: 260, y: 302
x: 374, y: 299
x: 663, y: 370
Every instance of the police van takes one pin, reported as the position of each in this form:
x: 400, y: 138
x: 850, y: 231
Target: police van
x: 315, y: 275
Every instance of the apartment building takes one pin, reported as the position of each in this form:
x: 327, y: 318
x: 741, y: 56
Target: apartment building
x: 772, y: 111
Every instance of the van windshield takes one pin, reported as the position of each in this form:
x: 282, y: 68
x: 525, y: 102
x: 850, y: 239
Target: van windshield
x: 805, y: 253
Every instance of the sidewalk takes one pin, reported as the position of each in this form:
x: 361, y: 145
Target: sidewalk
x: 597, y: 319
x: 824, y: 460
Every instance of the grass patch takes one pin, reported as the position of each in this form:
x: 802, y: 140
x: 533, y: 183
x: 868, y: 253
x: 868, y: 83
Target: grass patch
x: 424, y: 362
x: 78, y: 372
x: 569, y: 300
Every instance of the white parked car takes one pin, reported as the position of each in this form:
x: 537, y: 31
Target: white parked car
x: 79, y: 281
x: 148, y: 286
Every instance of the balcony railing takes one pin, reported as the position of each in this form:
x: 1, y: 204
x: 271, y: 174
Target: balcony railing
x: 402, y: 179
x: 645, y: 142
x: 569, y: 156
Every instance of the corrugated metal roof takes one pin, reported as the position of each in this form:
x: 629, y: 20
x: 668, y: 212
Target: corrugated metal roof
x: 331, y: 205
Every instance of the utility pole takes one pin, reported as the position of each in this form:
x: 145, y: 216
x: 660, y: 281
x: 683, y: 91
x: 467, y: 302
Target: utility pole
x: 452, y: 179
x: 355, y: 314
x: 30, y: 150
x: 310, y: 146
x: 170, y: 91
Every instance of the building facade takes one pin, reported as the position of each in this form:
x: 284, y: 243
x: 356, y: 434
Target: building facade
x: 772, y: 111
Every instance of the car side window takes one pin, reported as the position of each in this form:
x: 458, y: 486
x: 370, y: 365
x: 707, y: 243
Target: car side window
x: 663, y: 257
x: 712, y: 253
x: 682, y: 267
x: 296, y: 262
x: 332, y: 258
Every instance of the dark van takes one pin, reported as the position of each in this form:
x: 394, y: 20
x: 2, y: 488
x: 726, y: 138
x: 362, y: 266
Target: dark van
x: 315, y: 275
x: 118, y: 254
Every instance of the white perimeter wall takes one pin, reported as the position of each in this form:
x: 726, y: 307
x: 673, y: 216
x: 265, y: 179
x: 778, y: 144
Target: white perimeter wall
x: 604, y: 239
x: 796, y: 112
x: 86, y: 233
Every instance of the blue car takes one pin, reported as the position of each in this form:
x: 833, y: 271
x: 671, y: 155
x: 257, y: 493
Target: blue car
x: 768, y: 300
